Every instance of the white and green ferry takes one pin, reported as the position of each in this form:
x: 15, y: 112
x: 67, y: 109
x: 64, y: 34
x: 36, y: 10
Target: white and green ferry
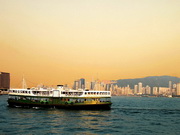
x: 60, y: 98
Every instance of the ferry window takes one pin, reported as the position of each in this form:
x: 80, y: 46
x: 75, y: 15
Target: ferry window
x: 108, y: 99
x: 82, y: 100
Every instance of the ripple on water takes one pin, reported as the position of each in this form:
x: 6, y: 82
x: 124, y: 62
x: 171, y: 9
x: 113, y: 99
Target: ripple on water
x: 129, y: 115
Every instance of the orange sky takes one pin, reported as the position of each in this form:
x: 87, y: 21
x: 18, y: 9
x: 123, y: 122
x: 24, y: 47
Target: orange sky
x: 56, y: 42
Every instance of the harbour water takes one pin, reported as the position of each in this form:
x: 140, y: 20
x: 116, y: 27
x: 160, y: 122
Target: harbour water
x: 128, y: 116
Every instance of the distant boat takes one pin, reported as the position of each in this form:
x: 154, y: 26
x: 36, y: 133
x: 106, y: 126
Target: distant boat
x: 60, y: 98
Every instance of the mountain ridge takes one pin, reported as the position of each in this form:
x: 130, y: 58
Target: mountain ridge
x: 152, y: 81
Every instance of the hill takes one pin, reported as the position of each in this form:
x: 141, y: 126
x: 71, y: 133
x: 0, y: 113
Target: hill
x: 152, y: 81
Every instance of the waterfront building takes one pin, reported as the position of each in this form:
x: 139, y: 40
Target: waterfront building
x: 170, y: 85
x: 140, y: 88
x: 4, y: 81
x: 163, y: 90
x: 82, y: 83
x: 79, y: 84
x: 148, y: 90
x: 135, y: 89
x: 92, y: 85
x: 143, y: 90
x: 155, y: 91
x: 174, y: 86
x: 76, y: 84
x: 178, y: 89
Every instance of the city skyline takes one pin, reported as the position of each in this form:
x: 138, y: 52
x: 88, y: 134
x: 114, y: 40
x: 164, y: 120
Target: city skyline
x: 139, y: 89
x: 57, y: 42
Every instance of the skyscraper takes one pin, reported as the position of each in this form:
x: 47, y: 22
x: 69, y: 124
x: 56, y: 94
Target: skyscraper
x: 4, y: 81
x: 148, y: 90
x: 76, y: 83
x: 92, y: 86
x: 178, y: 89
x: 170, y: 85
x: 135, y: 89
x: 140, y: 88
x: 82, y: 83
x: 155, y: 91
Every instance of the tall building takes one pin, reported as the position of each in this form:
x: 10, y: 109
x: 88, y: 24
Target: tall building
x: 135, y: 89
x: 170, y: 85
x: 178, y: 89
x: 174, y: 86
x: 82, y: 83
x: 87, y: 85
x: 92, y: 85
x: 140, y: 88
x: 155, y: 91
x: 4, y: 81
x: 148, y: 90
x: 79, y: 84
x: 76, y: 84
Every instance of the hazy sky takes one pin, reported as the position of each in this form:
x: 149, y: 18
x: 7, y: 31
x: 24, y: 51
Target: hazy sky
x: 57, y: 41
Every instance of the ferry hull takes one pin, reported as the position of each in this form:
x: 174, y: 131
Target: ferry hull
x: 104, y: 106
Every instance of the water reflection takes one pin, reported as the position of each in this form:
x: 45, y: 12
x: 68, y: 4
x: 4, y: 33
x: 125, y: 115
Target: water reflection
x: 79, y: 121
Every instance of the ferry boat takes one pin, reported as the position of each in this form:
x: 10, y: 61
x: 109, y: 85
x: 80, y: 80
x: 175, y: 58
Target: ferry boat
x: 60, y: 98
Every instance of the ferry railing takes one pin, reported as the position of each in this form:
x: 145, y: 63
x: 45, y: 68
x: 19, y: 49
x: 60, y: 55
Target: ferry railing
x: 85, y: 95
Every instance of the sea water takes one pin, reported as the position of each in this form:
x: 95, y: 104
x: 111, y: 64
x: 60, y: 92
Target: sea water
x: 128, y: 116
